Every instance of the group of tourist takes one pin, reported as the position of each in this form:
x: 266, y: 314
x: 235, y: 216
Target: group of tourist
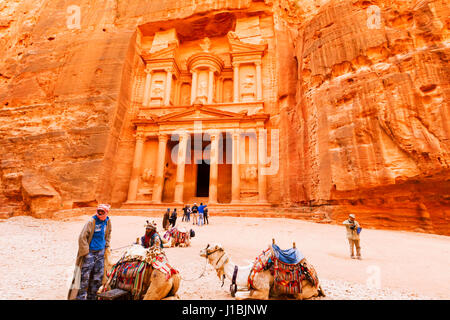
x: 199, y: 214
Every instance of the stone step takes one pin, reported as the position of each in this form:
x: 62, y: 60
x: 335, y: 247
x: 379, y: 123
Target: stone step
x: 221, y: 210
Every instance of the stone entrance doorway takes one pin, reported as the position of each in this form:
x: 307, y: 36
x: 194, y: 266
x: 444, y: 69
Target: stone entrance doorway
x: 203, y: 170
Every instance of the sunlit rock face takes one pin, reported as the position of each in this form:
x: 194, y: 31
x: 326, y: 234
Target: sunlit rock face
x: 358, y: 91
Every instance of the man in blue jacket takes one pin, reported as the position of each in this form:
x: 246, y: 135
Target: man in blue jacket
x: 93, y: 241
x: 201, y: 211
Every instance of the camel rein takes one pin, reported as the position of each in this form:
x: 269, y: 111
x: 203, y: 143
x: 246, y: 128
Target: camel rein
x: 204, y: 268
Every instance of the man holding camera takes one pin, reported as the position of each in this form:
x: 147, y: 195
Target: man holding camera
x: 353, y: 230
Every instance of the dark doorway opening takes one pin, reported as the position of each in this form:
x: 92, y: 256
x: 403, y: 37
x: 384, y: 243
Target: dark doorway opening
x: 203, y: 179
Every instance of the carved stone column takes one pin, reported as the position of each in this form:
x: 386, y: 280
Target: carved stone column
x: 194, y: 86
x: 168, y: 88
x: 210, y: 86
x: 258, y: 81
x: 159, y: 174
x: 147, y: 88
x: 236, y: 82
x: 262, y: 154
x: 181, y: 162
x: 214, y: 168
x: 235, y: 173
x: 134, y: 180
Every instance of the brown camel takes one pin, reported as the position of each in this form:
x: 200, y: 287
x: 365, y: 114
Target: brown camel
x: 156, y: 285
x: 262, y: 283
x: 170, y: 241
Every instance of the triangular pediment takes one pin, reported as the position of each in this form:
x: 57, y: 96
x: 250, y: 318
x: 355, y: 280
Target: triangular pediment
x: 200, y: 113
x: 166, y: 53
x: 238, y: 46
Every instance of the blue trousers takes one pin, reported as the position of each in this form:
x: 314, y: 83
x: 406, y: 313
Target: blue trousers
x: 200, y: 219
x: 91, y: 275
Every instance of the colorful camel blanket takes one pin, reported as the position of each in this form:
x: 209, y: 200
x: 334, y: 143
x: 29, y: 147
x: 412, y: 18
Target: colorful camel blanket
x: 262, y: 262
x: 180, y: 236
x: 162, y: 265
x: 287, y: 276
x: 129, y: 272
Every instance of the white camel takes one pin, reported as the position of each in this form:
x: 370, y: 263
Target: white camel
x: 263, y: 281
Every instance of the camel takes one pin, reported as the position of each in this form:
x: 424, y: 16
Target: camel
x: 171, y: 241
x: 156, y: 285
x: 263, y: 282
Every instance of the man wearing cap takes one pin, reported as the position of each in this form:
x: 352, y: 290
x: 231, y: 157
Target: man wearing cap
x: 194, y: 213
x: 93, y: 242
x: 151, y: 237
x: 353, y: 229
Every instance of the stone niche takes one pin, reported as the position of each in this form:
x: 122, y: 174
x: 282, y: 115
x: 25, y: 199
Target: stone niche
x: 247, y: 85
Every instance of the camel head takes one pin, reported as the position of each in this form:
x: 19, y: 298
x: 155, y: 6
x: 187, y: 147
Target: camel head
x: 216, y: 257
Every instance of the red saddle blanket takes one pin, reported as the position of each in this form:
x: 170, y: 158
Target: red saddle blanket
x: 180, y: 237
x: 128, y: 276
x: 287, y: 277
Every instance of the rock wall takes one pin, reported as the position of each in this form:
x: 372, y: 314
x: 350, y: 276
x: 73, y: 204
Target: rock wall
x: 361, y: 104
x: 373, y: 112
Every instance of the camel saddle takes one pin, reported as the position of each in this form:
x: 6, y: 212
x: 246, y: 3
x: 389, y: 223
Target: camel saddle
x: 288, y: 267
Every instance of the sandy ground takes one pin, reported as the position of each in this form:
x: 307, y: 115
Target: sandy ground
x: 38, y: 257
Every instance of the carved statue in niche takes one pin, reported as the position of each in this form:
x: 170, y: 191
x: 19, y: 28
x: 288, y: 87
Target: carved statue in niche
x: 248, y: 84
x: 227, y: 90
x: 248, y: 88
x: 185, y: 97
x: 206, y: 45
x: 157, y: 91
x: 249, y: 174
x: 202, y: 94
x: 148, y: 177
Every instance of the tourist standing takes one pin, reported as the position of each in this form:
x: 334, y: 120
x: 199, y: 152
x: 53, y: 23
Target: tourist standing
x: 205, y: 214
x: 194, y: 213
x: 93, y: 242
x: 353, y: 231
x: 173, y: 217
x: 184, y: 213
x: 188, y: 213
x: 166, y: 218
x: 200, y: 213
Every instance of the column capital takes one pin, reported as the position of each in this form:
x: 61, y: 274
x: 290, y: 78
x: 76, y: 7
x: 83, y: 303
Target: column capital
x: 257, y: 63
x: 235, y: 64
x: 140, y: 135
x: 162, y: 137
x: 148, y: 71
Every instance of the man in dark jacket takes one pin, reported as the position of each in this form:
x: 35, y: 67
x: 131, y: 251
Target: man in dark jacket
x: 205, y: 215
x: 166, y: 219
x: 173, y: 217
x: 194, y: 213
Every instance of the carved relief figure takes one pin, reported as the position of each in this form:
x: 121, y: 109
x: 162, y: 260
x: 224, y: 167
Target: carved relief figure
x: 206, y: 45
x: 249, y: 83
x: 248, y: 88
x: 250, y: 173
x: 148, y: 176
x: 157, y: 90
